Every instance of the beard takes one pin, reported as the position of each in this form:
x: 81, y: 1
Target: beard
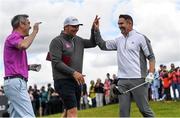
x: 123, y: 30
x: 73, y: 33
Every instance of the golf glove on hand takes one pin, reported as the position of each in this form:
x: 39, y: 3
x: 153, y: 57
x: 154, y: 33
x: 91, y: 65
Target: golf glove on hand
x: 150, y: 78
x: 35, y: 67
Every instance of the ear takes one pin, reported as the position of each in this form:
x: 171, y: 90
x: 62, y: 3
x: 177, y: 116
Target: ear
x: 65, y: 27
x: 129, y: 22
x: 21, y: 24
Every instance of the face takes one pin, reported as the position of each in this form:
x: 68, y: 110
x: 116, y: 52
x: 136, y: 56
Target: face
x: 25, y: 26
x: 114, y: 76
x: 92, y: 82
x: 164, y: 67
x: 71, y: 29
x: 125, y: 26
x: 98, y: 80
x: 172, y: 66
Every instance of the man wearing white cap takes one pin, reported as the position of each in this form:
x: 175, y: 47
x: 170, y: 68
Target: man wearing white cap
x: 66, y: 54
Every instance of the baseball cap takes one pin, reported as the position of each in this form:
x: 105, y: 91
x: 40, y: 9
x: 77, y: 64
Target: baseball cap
x: 71, y: 21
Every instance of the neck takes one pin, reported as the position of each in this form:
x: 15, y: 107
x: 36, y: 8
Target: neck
x: 20, y: 31
x: 127, y: 32
x: 68, y: 34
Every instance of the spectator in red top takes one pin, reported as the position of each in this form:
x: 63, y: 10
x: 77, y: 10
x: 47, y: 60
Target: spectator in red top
x: 166, y: 85
x: 107, y: 86
x: 172, y: 77
x: 177, y: 71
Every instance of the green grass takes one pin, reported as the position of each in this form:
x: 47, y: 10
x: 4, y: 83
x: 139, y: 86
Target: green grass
x: 161, y: 109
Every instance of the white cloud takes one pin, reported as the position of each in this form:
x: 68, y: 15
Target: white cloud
x: 156, y: 19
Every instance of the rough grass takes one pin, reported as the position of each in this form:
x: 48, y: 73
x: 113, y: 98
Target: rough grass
x: 161, y: 109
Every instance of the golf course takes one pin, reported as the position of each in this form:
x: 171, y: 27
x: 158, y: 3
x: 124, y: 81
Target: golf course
x: 161, y: 109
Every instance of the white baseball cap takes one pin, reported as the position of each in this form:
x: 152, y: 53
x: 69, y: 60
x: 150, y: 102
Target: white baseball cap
x: 71, y: 21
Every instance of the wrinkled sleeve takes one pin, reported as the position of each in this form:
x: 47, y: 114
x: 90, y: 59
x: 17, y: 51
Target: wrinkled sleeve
x: 104, y: 45
x: 147, y: 48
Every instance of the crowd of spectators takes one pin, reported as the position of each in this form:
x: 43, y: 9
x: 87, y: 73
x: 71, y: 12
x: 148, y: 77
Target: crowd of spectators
x: 47, y: 101
x: 164, y: 81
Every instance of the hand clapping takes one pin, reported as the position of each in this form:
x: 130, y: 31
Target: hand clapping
x: 96, y: 23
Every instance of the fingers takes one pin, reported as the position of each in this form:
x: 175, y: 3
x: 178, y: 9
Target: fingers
x: 36, y: 26
x: 78, y: 77
x: 77, y: 82
x: 80, y: 82
x: 97, y: 18
x: 38, y: 23
x: 96, y: 22
x: 81, y: 79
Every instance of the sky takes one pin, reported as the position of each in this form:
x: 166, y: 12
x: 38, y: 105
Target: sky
x: 157, y: 19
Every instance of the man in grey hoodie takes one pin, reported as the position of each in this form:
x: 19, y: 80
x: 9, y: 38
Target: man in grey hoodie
x: 66, y: 54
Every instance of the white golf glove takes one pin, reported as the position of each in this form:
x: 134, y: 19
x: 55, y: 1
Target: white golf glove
x: 150, y: 78
x: 35, y: 67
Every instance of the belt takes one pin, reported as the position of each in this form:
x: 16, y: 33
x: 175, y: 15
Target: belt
x: 12, y: 77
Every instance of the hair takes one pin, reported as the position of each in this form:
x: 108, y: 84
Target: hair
x: 17, y: 19
x: 49, y: 84
x: 126, y: 17
x: 176, y: 69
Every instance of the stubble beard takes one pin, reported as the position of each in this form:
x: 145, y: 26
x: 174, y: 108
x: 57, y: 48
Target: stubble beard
x: 123, y: 31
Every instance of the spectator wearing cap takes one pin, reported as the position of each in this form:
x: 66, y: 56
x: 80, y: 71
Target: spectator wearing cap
x: 174, y: 81
x: 66, y: 55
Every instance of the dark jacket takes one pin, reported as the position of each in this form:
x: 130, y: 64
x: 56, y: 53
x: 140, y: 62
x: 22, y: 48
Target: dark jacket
x: 66, y: 53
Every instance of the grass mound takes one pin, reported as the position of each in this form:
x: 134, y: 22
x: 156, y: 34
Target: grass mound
x: 161, y: 109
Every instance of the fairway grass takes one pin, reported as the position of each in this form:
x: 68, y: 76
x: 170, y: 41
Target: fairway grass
x: 161, y: 109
